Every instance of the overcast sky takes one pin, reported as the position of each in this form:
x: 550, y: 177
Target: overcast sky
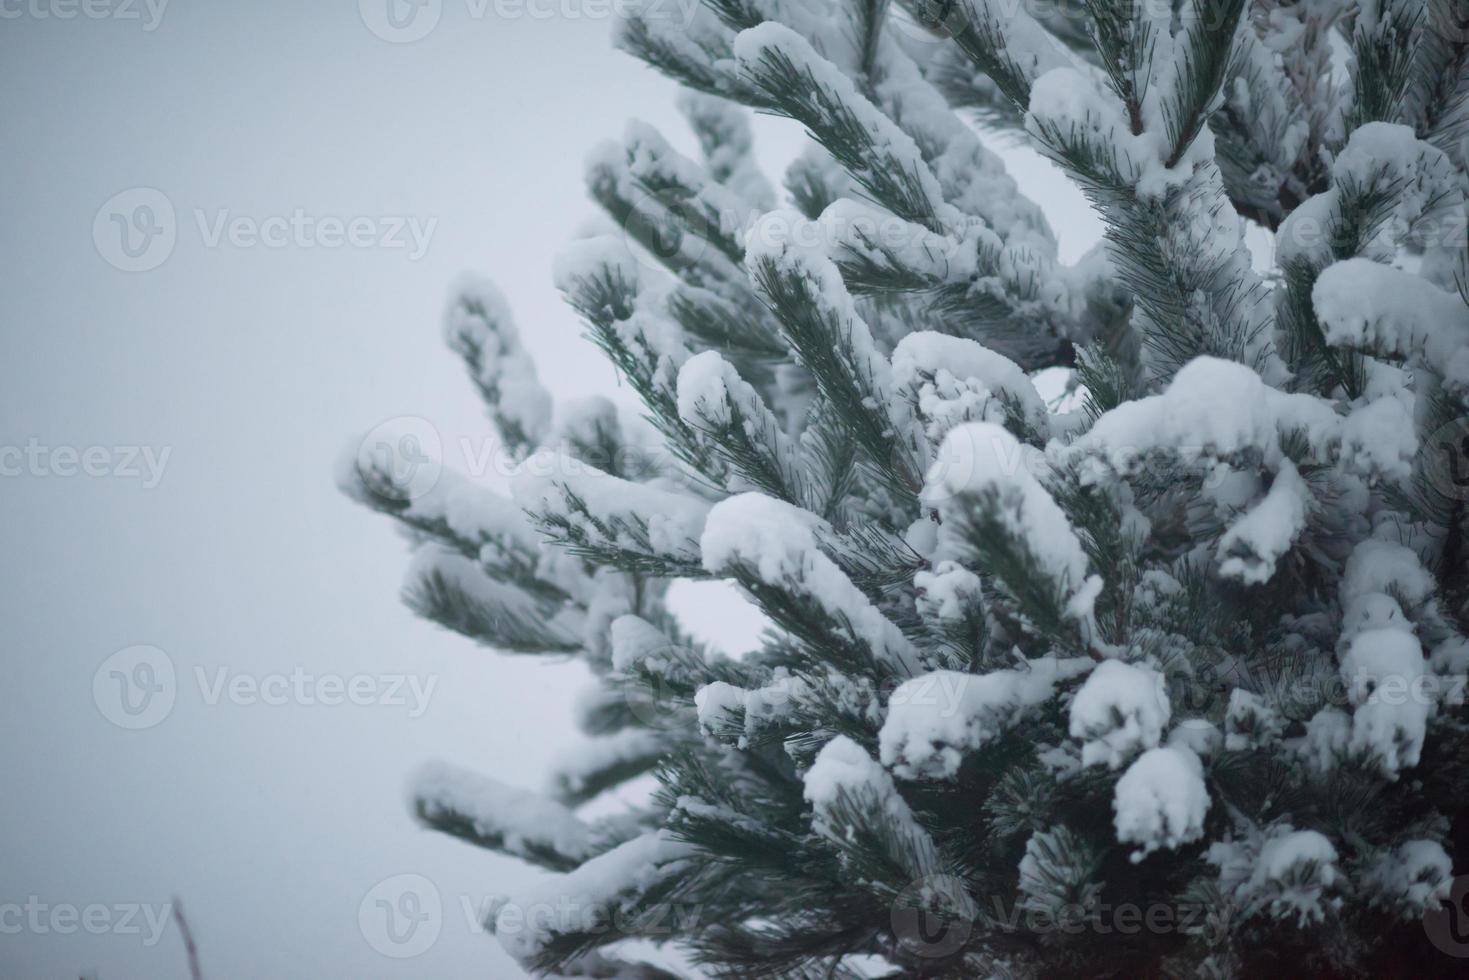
x: 295, y: 195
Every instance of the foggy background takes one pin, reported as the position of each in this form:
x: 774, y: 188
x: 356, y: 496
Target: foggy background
x: 240, y: 365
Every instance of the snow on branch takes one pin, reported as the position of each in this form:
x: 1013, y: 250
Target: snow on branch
x: 610, y: 894
x: 724, y: 136
x: 714, y: 400
x: 820, y: 321
x: 951, y: 380
x: 1250, y: 548
x: 1160, y: 801
x: 489, y: 814
x: 479, y: 328
x: 771, y: 547
x: 1213, y: 408
x: 1390, y: 313
x: 595, y: 765
x: 446, y: 588
x: 857, y: 808
x: 796, y: 81
x: 1119, y: 710
x: 998, y: 514
x: 635, y: 526
x: 935, y: 719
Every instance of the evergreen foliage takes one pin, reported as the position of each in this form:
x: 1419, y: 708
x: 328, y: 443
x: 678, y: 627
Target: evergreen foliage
x: 1167, y: 684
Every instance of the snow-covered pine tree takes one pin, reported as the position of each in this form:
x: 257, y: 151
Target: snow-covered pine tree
x: 1167, y: 684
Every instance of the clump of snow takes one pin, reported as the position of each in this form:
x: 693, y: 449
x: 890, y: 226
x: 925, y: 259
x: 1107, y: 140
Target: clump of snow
x: 637, y: 643
x: 1411, y: 879
x: 1285, y: 872
x: 1119, y: 710
x: 777, y: 543
x: 478, y: 326
x: 586, y: 899
x: 1251, y: 722
x: 1199, y: 735
x: 1160, y: 801
x: 843, y: 767
x: 1383, y: 670
x: 674, y: 521
x: 712, y: 396
x: 980, y: 458
x: 934, y: 719
x: 1250, y: 548
x: 949, y: 593
x: 1380, y: 437
x: 527, y: 822
x: 1213, y: 408
x: 1385, y: 311
x: 1385, y: 566
x: 721, y: 707
x: 704, y: 389
x: 1328, y: 734
x: 951, y: 380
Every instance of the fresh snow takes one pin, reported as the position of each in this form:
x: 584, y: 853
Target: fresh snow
x: 935, y: 719
x: 1119, y: 710
x: 952, y: 380
x: 1388, y: 312
x: 1160, y: 801
x: 584, y: 900
x: 526, y: 821
x: 1250, y: 548
x: 778, y: 543
x: 980, y: 457
x: 674, y: 520
x: 479, y: 326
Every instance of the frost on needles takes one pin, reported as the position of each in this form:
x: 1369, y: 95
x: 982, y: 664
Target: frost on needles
x: 1195, y: 647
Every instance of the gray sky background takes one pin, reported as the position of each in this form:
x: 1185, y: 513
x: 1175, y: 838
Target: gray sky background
x: 251, y: 365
